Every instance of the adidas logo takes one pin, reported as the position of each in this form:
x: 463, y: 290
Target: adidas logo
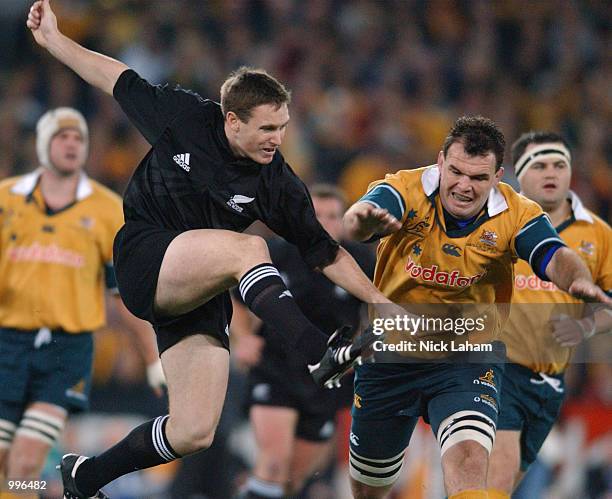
x: 182, y: 160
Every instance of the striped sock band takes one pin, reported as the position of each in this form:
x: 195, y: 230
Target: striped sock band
x: 258, y: 279
x: 41, y: 426
x: 7, y: 431
x: 160, y: 442
x: 266, y: 295
x: 375, y: 472
x: 466, y: 425
x: 145, y: 446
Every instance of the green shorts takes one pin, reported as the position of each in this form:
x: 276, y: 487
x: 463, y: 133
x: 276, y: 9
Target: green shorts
x: 57, y: 370
x: 530, y: 403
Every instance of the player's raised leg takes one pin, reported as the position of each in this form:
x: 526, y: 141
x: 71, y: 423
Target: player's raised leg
x: 200, y: 264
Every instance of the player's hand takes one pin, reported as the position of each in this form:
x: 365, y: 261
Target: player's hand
x: 377, y: 220
x: 156, y: 377
x: 42, y: 22
x: 247, y: 350
x: 364, y: 220
x: 569, y: 332
x: 589, y: 292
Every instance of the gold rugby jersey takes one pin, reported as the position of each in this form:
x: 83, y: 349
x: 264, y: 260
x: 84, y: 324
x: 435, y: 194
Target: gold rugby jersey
x: 54, y: 266
x: 528, y: 334
x: 424, y: 263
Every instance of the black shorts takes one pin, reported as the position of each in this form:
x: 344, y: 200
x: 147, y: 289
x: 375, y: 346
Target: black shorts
x: 138, y: 251
x: 279, y: 381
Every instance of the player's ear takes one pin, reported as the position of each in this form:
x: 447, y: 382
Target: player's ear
x: 440, y: 158
x: 233, y: 121
x: 499, y: 174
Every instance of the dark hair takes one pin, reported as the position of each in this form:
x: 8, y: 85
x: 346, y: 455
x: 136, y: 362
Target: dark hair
x: 247, y: 88
x: 479, y: 136
x: 535, y: 137
x: 328, y: 191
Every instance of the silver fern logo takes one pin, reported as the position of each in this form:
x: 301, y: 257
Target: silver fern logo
x: 236, y: 200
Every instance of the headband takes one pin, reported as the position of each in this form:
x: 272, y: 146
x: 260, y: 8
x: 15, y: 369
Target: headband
x: 540, y: 152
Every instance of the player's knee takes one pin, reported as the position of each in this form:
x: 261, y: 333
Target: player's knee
x: 473, y: 453
x: 468, y: 458
x: 253, y: 249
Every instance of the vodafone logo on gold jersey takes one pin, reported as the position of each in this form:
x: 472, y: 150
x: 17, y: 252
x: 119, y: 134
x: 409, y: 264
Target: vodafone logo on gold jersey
x: 453, y: 279
x: 534, y: 283
x: 47, y: 254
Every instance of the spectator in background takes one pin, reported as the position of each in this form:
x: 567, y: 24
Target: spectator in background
x: 56, y: 234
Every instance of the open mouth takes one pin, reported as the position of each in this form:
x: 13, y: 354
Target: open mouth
x: 550, y: 185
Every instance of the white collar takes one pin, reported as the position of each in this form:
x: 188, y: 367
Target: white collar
x: 580, y: 212
x: 496, y: 203
x: 578, y: 209
x: 26, y: 184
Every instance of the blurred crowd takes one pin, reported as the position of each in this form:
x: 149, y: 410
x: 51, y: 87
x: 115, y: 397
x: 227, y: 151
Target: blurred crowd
x: 376, y: 85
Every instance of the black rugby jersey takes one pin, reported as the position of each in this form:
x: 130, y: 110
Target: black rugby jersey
x: 191, y: 180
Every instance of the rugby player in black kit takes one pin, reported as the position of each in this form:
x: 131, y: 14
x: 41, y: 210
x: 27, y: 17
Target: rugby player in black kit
x: 211, y: 172
x: 292, y: 418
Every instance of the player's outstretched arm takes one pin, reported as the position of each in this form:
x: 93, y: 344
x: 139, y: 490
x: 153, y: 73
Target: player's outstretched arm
x: 567, y: 270
x: 96, y: 69
x: 363, y: 221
